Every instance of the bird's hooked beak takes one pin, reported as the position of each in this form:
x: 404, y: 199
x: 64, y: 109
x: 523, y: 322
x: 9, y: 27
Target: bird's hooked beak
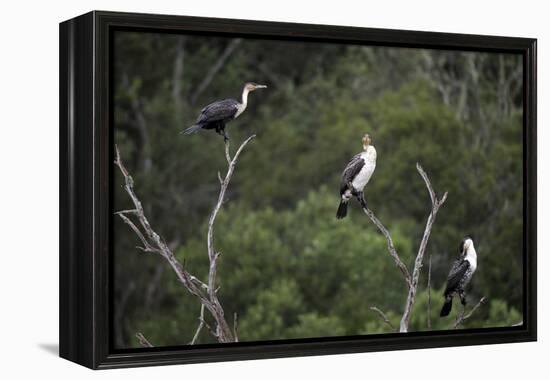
x: 251, y: 86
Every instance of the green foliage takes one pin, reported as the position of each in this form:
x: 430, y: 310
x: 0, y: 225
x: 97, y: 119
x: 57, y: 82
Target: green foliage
x: 274, y: 309
x: 500, y: 313
x: 288, y: 268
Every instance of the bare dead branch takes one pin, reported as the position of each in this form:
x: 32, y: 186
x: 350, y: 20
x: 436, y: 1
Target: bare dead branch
x: 154, y: 242
x: 227, y: 155
x: 461, y: 317
x: 142, y: 340
x: 411, y: 280
x: 222, y: 330
x: 391, y: 248
x: 206, y: 293
x: 383, y: 316
x: 129, y: 187
x: 436, y: 204
x: 223, y: 187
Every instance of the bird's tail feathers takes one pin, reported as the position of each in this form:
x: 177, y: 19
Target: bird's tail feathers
x: 447, y: 306
x: 193, y: 129
x: 342, y: 210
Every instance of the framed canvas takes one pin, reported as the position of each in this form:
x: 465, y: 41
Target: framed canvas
x: 235, y: 189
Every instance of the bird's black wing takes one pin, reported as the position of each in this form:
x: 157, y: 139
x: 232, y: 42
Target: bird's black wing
x: 352, y: 169
x: 458, y: 271
x: 220, y: 110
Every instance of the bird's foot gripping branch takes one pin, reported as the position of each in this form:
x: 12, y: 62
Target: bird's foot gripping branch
x: 205, y: 292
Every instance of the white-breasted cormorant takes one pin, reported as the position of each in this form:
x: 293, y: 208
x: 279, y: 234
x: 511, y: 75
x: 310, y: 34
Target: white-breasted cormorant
x: 355, y: 177
x: 460, y: 275
x: 217, y: 114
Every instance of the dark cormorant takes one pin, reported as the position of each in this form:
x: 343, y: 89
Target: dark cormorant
x: 217, y: 114
x: 355, y: 177
x: 460, y: 275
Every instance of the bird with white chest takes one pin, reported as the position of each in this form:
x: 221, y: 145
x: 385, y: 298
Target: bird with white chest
x: 356, y: 176
x: 460, y: 275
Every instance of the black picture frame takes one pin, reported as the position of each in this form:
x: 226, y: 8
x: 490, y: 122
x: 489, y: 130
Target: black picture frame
x: 86, y: 167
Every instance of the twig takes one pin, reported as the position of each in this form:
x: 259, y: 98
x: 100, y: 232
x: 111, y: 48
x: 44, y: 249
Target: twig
x: 142, y: 340
x: 436, y: 204
x: 146, y: 246
x: 132, y: 211
x: 383, y: 316
x: 430, y: 293
x: 461, y: 318
x: 199, y: 327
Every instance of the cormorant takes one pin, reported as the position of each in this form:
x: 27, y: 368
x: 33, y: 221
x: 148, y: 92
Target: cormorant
x: 460, y: 275
x: 217, y: 114
x: 355, y: 177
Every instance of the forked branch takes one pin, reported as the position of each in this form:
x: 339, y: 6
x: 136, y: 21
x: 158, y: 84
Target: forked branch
x: 411, y: 279
x: 153, y: 243
x: 436, y: 204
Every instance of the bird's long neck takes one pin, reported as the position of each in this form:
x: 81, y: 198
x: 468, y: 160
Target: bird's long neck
x: 244, y: 100
x: 471, y: 254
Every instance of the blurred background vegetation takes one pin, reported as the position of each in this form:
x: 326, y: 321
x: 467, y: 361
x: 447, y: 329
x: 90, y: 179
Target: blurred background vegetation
x: 289, y: 268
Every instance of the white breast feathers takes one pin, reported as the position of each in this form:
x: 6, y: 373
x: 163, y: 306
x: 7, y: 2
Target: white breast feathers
x: 471, y: 256
x: 240, y: 110
x: 363, y: 177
